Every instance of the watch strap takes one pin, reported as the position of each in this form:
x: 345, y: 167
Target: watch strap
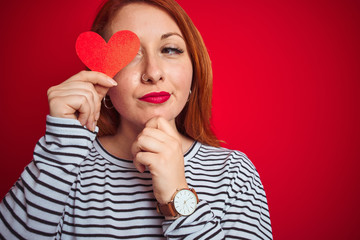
x: 167, y: 210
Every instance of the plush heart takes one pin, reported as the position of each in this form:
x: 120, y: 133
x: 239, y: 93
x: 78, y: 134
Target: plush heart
x: 110, y: 57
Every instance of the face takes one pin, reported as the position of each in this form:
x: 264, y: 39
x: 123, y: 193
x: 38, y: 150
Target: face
x: 157, y: 82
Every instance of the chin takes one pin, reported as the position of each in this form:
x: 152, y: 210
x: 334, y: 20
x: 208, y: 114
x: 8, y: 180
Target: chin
x: 141, y: 117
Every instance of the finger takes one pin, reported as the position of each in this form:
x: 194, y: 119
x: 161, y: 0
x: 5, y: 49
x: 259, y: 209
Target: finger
x: 140, y: 167
x: 74, y: 88
x: 65, y: 86
x: 164, y: 125
x: 98, y: 92
x: 145, y: 159
x: 98, y: 80
x: 135, y: 150
x: 148, y: 144
x: 94, y: 78
x: 152, y: 123
x: 155, y: 133
x: 102, y: 91
x: 73, y: 103
x: 84, y: 115
x: 67, y: 103
x: 150, y: 139
x: 91, y: 97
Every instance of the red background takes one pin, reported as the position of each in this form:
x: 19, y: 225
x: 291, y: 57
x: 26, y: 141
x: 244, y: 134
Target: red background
x: 286, y: 92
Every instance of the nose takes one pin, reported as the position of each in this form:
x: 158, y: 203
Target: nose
x: 152, y: 70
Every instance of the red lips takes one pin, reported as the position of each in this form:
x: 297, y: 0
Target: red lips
x: 156, y: 97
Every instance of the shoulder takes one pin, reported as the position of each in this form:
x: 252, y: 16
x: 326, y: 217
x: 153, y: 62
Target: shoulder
x: 231, y: 157
x: 233, y: 163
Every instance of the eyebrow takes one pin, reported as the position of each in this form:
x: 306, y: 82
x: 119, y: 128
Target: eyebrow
x: 167, y: 35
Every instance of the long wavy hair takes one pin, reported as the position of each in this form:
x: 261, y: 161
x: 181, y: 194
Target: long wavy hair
x: 194, y: 119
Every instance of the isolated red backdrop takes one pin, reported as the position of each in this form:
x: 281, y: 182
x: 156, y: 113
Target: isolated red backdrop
x: 286, y: 92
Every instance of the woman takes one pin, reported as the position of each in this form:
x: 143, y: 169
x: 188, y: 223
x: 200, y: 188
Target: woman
x: 155, y: 170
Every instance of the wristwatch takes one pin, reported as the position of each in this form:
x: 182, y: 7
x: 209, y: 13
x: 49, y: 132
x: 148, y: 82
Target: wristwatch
x: 183, y: 203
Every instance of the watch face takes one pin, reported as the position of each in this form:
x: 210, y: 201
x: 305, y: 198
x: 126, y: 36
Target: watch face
x: 185, y: 202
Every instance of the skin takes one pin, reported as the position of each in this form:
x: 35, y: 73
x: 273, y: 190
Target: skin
x: 147, y: 133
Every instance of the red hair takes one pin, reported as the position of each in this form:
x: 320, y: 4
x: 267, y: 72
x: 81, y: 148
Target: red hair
x: 194, y: 119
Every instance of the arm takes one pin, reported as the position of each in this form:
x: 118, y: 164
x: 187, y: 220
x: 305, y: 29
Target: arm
x: 33, y: 207
x: 202, y: 224
x: 245, y: 213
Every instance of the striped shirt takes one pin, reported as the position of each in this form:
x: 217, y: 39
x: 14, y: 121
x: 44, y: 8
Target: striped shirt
x: 75, y: 189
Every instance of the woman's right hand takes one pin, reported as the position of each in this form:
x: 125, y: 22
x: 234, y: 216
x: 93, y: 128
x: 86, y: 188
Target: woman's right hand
x: 80, y: 97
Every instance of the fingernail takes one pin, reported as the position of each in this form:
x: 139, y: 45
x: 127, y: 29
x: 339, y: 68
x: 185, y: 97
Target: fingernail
x: 112, y: 81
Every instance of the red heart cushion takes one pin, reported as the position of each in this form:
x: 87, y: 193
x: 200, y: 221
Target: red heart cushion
x: 110, y: 57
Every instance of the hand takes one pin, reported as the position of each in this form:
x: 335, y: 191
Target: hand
x: 80, y: 97
x: 159, y: 148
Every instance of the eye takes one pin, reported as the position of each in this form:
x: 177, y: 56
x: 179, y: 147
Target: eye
x: 172, y: 51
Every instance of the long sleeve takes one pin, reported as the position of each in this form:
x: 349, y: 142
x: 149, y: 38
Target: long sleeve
x: 233, y: 204
x: 246, y: 213
x: 202, y: 224
x: 34, y: 206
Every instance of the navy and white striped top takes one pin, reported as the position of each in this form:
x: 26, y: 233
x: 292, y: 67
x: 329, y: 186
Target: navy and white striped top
x: 74, y: 189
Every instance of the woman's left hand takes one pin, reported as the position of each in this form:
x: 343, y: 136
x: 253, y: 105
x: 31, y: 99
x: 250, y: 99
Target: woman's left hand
x: 159, y: 148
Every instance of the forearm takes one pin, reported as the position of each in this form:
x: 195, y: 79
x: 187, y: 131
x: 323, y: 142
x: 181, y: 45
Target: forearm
x: 33, y: 207
x: 245, y: 217
x: 233, y: 204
